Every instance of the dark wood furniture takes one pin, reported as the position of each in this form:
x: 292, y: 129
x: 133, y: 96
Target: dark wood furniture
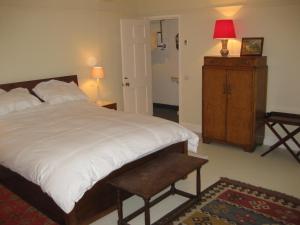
x: 234, y: 93
x: 32, y: 83
x: 282, y: 119
x: 153, y: 177
x: 108, y: 104
x: 95, y: 203
x: 111, y: 106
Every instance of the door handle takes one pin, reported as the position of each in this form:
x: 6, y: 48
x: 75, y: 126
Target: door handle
x: 127, y: 84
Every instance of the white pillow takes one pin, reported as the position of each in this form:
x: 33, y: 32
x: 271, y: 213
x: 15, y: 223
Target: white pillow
x: 2, y: 91
x: 16, y: 100
x: 55, y: 92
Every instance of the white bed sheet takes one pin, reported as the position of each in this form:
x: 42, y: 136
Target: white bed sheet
x: 67, y: 148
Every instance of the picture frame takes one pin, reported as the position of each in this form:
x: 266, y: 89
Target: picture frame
x: 252, y: 46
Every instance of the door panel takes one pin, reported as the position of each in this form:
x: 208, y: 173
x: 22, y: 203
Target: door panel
x: 214, y: 104
x: 239, y: 108
x: 140, y: 61
x: 136, y: 66
x: 142, y: 93
x: 130, y: 105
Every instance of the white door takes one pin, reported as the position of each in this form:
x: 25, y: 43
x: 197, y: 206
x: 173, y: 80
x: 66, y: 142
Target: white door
x: 136, y: 66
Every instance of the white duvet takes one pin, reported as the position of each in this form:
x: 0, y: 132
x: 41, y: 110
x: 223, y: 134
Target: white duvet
x: 67, y: 148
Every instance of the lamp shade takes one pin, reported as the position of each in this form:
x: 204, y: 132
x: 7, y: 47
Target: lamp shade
x: 224, y: 29
x: 97, y: 72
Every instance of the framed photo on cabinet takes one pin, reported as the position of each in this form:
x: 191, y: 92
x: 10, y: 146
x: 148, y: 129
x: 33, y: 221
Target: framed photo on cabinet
x: 252, y: 46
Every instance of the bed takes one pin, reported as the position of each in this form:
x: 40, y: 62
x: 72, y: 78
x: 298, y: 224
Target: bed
x: 100, y: 198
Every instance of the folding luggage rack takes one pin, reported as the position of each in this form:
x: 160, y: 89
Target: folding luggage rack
x: 283, y: 119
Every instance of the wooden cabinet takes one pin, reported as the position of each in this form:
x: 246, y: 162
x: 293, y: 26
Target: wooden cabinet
x: 234, y: 100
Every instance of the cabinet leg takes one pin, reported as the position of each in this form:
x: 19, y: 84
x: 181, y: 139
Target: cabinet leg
x: 260, y: 140
x: 249, y: 148
x: 206, y: 140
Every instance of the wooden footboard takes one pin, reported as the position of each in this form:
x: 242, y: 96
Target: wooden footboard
x: 97, y: 202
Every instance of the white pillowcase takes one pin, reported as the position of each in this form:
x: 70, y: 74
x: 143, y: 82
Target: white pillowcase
x: 16, y: 100
x: 55, y: 92
x: 2, y: 91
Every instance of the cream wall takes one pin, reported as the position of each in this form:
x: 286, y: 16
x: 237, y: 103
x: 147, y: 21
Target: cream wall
x: 278, y: 21
x: 40, y: 39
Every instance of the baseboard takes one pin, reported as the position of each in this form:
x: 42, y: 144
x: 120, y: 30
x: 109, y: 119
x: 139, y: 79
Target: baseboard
x: 197, y: 128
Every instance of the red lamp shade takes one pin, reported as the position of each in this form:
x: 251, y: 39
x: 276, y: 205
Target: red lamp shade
x: 224, y: 29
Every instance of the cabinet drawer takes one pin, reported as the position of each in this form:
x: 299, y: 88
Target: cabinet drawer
x: 235, y: 61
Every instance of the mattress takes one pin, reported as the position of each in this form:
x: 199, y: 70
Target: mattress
x: 67, y: 148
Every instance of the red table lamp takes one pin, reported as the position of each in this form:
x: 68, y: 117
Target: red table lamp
x: 224, y: 29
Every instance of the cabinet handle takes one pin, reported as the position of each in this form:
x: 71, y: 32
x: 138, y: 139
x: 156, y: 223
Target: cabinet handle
x: 224, y: 89
x: 229, y: 89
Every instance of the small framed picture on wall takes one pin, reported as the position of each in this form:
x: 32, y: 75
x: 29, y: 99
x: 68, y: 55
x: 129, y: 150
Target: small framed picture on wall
x: 252, y: 46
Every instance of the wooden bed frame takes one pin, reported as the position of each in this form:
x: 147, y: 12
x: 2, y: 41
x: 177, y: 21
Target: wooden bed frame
x: 97, y: 202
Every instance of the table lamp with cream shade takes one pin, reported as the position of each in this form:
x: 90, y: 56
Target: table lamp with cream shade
x: 224, y: 30
x: 98, y: 73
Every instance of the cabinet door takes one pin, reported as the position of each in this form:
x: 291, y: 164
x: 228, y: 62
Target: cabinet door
x: 240, y: 107
x: 214, y: 103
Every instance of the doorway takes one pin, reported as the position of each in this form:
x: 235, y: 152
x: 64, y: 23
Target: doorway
x: 165, y: 67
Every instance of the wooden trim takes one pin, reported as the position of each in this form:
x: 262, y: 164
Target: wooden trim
x: 31, y: 84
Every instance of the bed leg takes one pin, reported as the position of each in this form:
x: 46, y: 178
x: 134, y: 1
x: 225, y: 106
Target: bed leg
x: 185, y: 147
x: 185, y: 151
x: 71, y: 219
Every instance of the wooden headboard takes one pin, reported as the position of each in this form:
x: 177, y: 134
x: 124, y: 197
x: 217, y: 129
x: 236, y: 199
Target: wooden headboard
x: 32, y: 83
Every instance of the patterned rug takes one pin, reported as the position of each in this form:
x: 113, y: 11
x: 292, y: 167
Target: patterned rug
x: 230, y: 202
x: 14, y: 211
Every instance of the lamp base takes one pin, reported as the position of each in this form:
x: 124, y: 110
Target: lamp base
x: 99, y: 102
x: 224, y: 51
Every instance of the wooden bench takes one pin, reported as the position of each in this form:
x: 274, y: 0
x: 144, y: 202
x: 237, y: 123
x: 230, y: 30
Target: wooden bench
x: 155, y: 176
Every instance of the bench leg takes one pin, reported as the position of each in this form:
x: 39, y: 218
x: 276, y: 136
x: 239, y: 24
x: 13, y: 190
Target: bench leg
x: 120, y: 207
x: 147, y: 211
x: 172, y: 189
x: 198, y: 184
